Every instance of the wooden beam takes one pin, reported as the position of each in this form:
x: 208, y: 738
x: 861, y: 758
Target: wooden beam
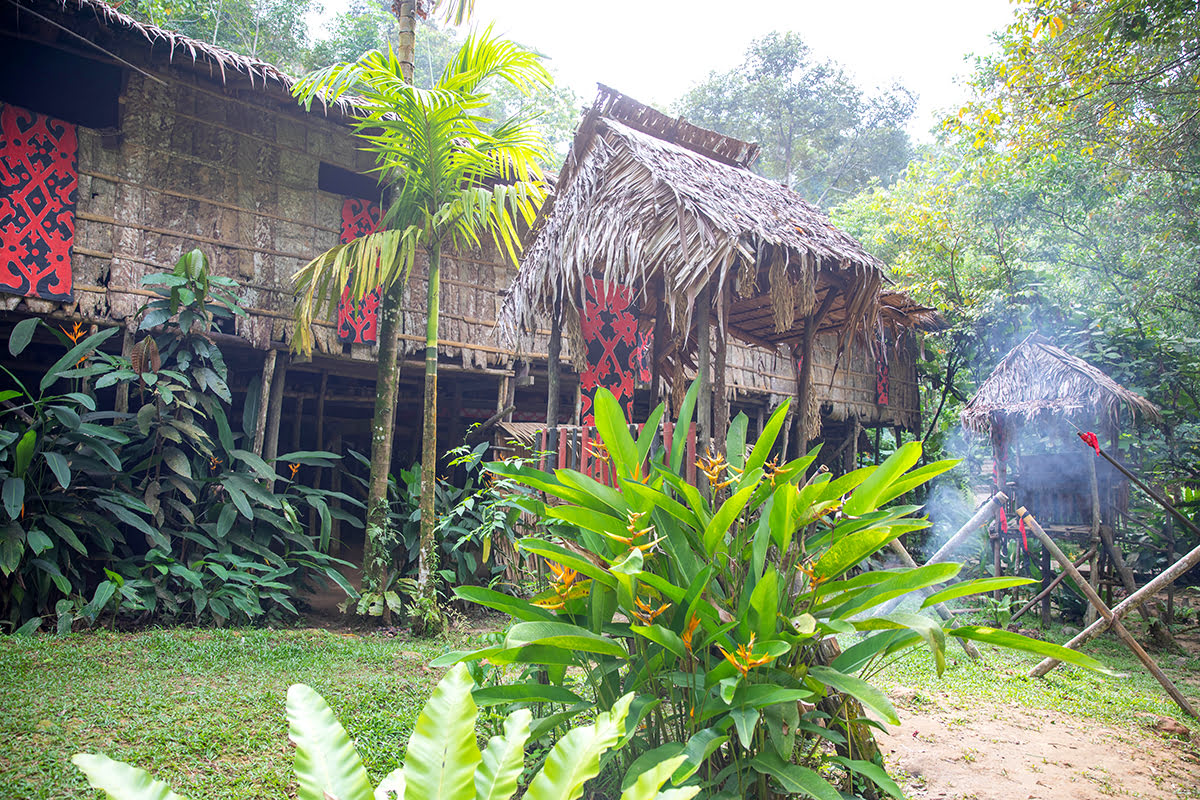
x: 264, y: 394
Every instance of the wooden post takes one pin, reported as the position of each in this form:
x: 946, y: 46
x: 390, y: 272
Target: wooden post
x: 1094, y: 564
x: 704, y: 417
x: 1043, y: 596
x: 298, y: 423
x: 1170, y: 557
x: 121, y: 406
x: 1166, y: 578
x: 721, y: 411
x: 264, y: 394
x: 319, y: 476
x: 658, y: 353
x: 553, y: 354
x: 335, y: 484
x: 1105, y: 612
x: 275, y: 409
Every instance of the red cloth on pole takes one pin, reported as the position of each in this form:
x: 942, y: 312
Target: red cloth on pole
x: 1003, y: 520
x: 1090, y: 439
x: 1024, y: 539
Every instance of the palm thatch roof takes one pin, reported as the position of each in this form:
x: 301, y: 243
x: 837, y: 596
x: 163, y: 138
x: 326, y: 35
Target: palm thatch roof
x: 80, y: 18
x: 1037, y: 380
x: 664, y: 207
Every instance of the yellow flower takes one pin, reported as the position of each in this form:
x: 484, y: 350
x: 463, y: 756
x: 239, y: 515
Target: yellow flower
x: 693, y: 623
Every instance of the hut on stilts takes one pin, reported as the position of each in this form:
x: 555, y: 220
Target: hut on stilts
x: 660, y: 227
x: 1033, y: 408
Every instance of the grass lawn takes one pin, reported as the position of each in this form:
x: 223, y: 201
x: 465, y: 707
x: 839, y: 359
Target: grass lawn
x: 201, y: 709
x: 204, y: 709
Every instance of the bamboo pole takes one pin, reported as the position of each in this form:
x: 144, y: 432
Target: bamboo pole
x: 704, y: 417
x: 898, y: 548
x: 980, y: 517
x: 1166, y: 578
x: 1094, y: 565
x: 121, y: 406
x: 1105, y: 612
x: 721, y: 411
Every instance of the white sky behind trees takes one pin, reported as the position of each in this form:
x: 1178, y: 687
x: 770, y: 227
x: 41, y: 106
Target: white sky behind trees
x: 655, y: 50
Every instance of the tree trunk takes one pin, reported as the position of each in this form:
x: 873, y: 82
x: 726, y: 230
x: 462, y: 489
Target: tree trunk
x: 426, y: 620
x: 376, y: 558
x: 703, y: 315
x: 553, y: 366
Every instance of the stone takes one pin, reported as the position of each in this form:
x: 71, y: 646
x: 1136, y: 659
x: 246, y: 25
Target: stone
x: 1172, y: 727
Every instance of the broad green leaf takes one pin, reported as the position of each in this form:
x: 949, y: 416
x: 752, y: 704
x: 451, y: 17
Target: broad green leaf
x: 726, y: 515
x: 14, y: 496
x: 794, y: 778
x: 872, y: 772
x: 977, y: 586
x: 852, y: 549
x: 614, y: 431
x: 38, y: 542
x: 699, y: 747
x: 524, y: 693
x: 909, y: 580
x: 648, y: 783
x: 1016, y: 641
x: 23, y: 453
x: 120, y: 781
x: 177, y: 461
x: 503, y: 759
x: 58, y: 465
x: 255, y: 462
x: 575, y: 759
x: 21, y: 336
x: 762, y: 448
x: 646, y: 438
x: 866, y: 496
x: 764, y: 605
x: 513, y: 606
x: 856, y: 687
x: 682, y: 424
x: 735, y: 441
x: 568, y: 558
x: 73, y: 355
x: 442, y: 753
x: 563, y: 635
x: 915, y: 478
x: 663, y: 637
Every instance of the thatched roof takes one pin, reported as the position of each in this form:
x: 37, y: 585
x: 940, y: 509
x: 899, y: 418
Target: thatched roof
x: 644, y: 198
x: 78, y: 16
x: 1037, y: 380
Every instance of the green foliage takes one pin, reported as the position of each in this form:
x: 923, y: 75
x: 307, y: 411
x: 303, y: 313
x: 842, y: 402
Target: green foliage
x: 820, y: 135
x: 719, y: 609
x: 443, y: 758
x: 156, y: 511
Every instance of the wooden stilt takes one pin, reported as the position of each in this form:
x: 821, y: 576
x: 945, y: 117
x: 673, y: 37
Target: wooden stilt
x: 1048, y: 586
x: 275, y: 409
x: 264, y: 394
x: 121, y: 406
x: 721, y: 409
x: 1094, y: 564
x: 553, y: 365
x: 319, y: 477
x: 335, y: 484
x: 1104, y: 611
x: 804, y: 387
x: 704, y: 404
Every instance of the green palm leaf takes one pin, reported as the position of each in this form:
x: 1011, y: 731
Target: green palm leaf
x: 442, y: 753
x: 576, y: 758
x: 120, y: 781
x: 327, y: 765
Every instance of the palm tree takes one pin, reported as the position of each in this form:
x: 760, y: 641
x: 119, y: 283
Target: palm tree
x: 452, y: 178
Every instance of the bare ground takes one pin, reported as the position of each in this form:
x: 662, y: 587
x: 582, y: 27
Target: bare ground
x: 949, y: 748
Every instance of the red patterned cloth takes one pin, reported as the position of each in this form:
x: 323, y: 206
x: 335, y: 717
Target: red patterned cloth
x: 38, y: 187
x: 358, y: 321
x: 610, y: 331
x: 882, y: 382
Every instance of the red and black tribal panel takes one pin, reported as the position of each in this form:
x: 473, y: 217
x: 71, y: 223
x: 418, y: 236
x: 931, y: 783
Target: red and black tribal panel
x: 358, y: 321
x: 38, y: 186
x: 610, y: 331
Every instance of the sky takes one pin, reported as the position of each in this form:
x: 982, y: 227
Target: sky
x: 655, y: 50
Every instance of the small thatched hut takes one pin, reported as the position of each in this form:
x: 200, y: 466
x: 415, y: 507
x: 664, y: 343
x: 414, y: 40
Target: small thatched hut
x: 1032, y: 406
x: 669, y: 215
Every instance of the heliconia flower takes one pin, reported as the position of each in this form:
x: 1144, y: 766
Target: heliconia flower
x: 294, y: 468
x: 745, y: 660
x: 693, y: 623
x: 647, y: 613
x: 75, y: 334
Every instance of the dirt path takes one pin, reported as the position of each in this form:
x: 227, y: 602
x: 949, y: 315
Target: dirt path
x: 952, y: 749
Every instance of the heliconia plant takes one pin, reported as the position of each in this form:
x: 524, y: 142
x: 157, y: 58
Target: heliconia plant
x: 443, y: 761
x: 719, y: 607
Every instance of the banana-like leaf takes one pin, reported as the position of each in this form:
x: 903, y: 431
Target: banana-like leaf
x: 872, y: 772
x: 392, y: 786
x: 614, y: 431
x: 866, y: 496
x: 794, y: 778
x: 327, y: 765
x: 442, y: 753
x: 576, y: 758
x: 646, y: 786
x: 503, y: 759
x: 977, y: 586
x: 120, y: 781
x: 1016, y: 641
x: 856, y: 687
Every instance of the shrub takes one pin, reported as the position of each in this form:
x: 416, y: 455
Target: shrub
x: 719, y: 607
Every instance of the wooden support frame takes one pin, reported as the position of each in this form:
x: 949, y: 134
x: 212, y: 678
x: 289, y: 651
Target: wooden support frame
x: 1104, y: 611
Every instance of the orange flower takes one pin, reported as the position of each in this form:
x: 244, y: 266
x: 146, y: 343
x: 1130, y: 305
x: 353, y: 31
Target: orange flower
x: 564, y: 576
x: 564, y: 587
x: 630, y: 541
x: 647, y: 613
x: 294, y: 468
x: 75, y: 334
x: 745, y: 660
x: 693, y: 623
